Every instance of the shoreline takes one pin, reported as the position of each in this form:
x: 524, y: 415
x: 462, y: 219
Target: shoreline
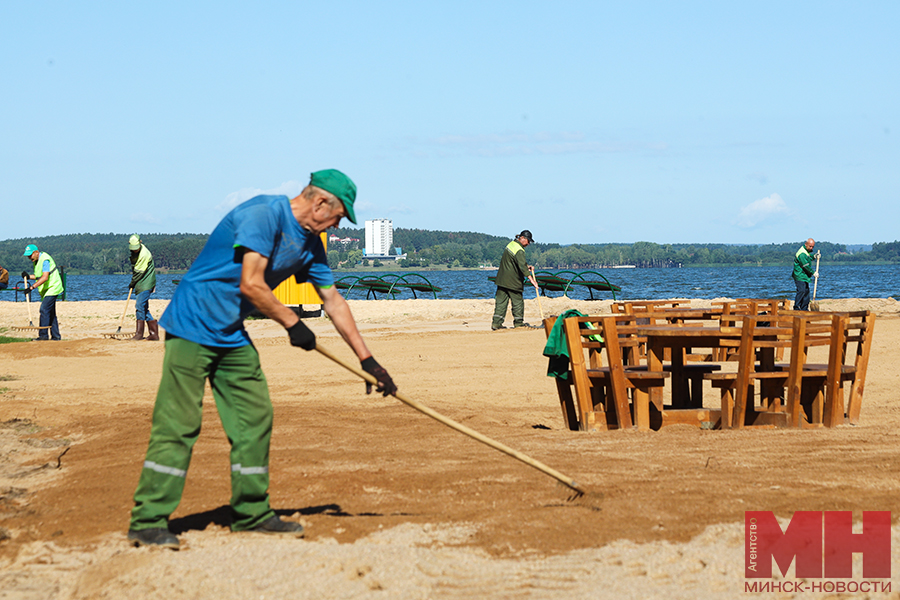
x: 443, y: 269
x: 92, y: 318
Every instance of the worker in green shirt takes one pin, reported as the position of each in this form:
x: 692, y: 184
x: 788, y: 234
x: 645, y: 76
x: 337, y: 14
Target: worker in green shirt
x: 511, y: 282
x: 802, y: 274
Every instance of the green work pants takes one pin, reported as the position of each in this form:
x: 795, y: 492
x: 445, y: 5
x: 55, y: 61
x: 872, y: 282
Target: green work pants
x: 501, y: 300
x: 242, y: 399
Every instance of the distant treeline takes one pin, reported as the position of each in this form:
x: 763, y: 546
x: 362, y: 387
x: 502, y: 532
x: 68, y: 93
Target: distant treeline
x: 466, y: 249
x: 108, y: 252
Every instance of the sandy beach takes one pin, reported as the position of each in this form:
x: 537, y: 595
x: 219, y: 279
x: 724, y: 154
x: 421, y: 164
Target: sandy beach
x: 396, y: 505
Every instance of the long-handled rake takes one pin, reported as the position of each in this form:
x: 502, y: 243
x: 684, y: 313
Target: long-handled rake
x: 537, y: 293
x: 814, y: 305
x: 31, y: 326
x: 564, y: 479
x: 118, y: 335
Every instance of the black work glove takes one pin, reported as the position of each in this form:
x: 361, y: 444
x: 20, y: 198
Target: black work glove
x: 385, y: 383
x: 24, y: 274
x: 302, y: 336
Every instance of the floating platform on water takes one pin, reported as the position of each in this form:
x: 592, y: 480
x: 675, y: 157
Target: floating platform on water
x: 390, y: 284
x: 564, y: 281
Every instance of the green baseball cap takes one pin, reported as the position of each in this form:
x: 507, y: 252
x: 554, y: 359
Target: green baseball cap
x: 30, y: 249
x: 332, y: 180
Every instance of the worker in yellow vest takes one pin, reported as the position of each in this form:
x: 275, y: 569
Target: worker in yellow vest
x: 143, y: 282
x: 49, y: 283
x: 510, y: 282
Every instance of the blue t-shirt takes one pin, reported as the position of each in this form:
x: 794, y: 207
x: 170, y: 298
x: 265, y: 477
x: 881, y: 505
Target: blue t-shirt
x: 207, y: 307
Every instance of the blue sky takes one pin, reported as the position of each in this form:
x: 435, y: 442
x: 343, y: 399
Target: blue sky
x: 585, y: 122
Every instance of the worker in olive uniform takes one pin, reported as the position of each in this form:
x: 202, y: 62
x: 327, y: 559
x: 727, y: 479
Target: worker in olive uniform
x: 143, y: 282
x: 259, y: 244
x: 511, y: 282
x: 48, y: 282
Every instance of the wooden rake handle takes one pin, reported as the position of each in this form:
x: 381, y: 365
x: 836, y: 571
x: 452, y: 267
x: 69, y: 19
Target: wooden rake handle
x: 124, y: 310
x: 565, y: 480
x: 28, y: 302
x: 816, y: 283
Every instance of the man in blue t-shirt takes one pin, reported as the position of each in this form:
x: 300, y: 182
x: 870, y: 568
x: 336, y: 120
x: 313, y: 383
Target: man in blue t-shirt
x: 257, y: 245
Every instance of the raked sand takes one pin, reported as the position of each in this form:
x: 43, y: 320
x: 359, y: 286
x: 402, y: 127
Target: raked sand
x: 395, y: 504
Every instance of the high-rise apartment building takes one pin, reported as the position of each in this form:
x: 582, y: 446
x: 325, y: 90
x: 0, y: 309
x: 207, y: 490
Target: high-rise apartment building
x: 379, y: 237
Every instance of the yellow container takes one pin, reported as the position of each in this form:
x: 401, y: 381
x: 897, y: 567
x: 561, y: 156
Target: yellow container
x: 291, y: 293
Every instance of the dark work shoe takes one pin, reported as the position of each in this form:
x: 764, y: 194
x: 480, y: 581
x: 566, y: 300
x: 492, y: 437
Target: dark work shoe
x: 525, y: 325
x: 153, y: 537
x: 496, y: 327
x: 275, y: 525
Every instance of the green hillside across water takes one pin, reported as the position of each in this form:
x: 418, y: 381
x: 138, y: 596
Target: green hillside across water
x: 108, y: 252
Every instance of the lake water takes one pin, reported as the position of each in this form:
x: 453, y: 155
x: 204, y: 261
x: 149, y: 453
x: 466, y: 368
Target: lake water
x: 838, y: 281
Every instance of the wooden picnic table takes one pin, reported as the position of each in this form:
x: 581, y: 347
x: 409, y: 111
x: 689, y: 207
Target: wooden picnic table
x: 681, y: 339
x: 794, y: 394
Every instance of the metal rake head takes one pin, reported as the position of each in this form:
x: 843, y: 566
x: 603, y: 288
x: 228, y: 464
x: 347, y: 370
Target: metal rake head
x: 118, y: 336
x: 31, y: 328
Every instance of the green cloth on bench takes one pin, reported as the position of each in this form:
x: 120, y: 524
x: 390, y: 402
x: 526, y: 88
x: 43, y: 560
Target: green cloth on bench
x: 556, y: 349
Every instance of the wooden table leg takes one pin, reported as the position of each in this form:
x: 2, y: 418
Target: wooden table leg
x: 654, y: 363
x: 769, y: 391
x: 680, y: 392
x: 697, y: 392
x: 641, y: 403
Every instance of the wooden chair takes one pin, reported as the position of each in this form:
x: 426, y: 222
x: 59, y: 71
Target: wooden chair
x: 854, y: 329
x: 731, y: 311
x: 738, y: 387
x: 859, y: 328
x: 633, y: 350
x: 601, y: 392
x: 638, y: 306
x: 805, y: 389
x: 564, y: 389
x: 695, y: 364
x: 752, y: 305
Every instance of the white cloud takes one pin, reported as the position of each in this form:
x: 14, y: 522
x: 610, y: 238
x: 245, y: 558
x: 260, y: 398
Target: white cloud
x: 145, y: 218
x: 400, y: 209
x: 288, y: 188
x: 363, y: 205
x: 761, y: 211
